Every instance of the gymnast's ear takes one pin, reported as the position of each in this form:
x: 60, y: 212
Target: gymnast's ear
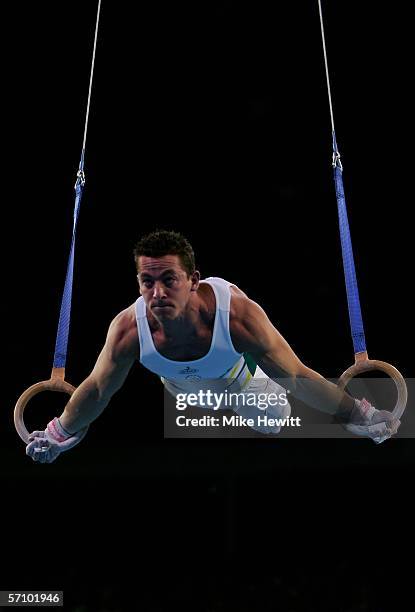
x: 195, y: 278
x: 138, y: 282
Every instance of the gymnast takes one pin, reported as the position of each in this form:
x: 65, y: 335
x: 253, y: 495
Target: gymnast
x: 185, y: 329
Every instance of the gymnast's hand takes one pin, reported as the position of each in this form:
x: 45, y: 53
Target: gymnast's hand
x: 46, y: 446
x: 365, y: 420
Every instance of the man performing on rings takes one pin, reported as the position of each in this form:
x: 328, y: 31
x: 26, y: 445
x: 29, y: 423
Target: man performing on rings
x: 211, y: 326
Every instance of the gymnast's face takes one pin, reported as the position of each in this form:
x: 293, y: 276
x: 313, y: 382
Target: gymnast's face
x: 165, y: 285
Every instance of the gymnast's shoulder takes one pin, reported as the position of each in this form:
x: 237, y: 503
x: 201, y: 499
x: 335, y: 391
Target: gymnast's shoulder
x: 247, y: 320
x: 241, y: 305
x: 122, y: 333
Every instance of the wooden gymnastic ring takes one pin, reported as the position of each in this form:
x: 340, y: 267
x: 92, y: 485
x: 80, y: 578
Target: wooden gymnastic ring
x: 364, y: 364
x: 56, y: 382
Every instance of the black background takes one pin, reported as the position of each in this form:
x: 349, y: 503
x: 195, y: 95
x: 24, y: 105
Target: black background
x: 211, y: 119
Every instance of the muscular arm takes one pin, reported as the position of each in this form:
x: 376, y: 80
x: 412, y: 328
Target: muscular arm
x: 253, y: 332
x: 109, y: 373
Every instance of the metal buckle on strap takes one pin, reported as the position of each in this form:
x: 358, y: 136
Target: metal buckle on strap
x: 80, y: 178
x: 336, y: 163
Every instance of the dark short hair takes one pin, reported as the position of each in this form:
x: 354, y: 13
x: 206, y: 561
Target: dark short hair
x: 166, y: 242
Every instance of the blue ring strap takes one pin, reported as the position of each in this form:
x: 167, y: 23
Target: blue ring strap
x: 61, y: 346
x: 353, y: 302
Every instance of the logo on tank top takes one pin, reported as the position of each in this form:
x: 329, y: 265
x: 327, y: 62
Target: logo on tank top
x: 190, y: 373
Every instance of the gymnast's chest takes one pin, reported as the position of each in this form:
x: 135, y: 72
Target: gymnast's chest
x: 184, y: 350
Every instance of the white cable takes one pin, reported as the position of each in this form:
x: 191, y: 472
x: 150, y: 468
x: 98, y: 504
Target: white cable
x: 326, y: 65
x: 91, y: 75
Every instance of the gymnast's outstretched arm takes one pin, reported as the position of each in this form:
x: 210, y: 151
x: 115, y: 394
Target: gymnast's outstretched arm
x: 253, y: 332
x: 93, y: 394
x: 110, y: 371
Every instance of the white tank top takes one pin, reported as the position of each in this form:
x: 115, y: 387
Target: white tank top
x: 221, y: 361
